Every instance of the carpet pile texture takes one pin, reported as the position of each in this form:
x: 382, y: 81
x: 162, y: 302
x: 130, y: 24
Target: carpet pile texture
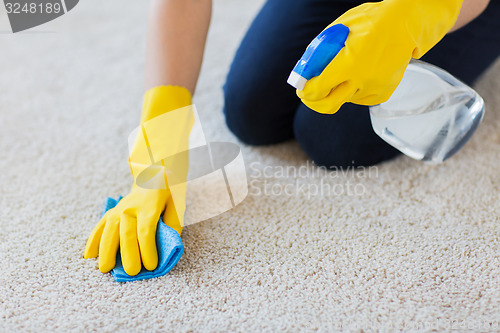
x: 402, y: 245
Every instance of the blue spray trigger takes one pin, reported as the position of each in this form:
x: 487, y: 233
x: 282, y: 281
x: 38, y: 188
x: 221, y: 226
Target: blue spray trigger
x: 318, y: 55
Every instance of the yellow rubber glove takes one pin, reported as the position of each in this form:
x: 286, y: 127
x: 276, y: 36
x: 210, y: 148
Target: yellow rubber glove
x: 383, y: 38
x: 131, y: 225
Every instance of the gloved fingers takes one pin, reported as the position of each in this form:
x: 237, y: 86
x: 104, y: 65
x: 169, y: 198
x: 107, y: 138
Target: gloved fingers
x: 92, y: 246
x: 129, y: 247
x: 373, y: 99
x: 110, y: 241
x: 171, y: 216
x: 332, y: 103
x: 146, y: 234
x: 318, y: 87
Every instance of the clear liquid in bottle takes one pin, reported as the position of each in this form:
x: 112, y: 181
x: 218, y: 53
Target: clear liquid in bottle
x: 430, y: 115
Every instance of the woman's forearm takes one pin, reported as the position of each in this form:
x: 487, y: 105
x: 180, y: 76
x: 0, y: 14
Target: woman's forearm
x: 470, y: 10
x: 177, y: 32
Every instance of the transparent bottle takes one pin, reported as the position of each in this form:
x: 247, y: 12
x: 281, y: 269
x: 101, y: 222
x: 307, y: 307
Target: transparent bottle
x: 430, y: 115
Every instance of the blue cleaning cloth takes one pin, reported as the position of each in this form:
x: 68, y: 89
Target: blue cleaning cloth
x: 168, y: 244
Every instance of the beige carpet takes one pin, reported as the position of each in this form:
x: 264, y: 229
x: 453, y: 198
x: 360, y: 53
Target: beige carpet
x: 413, y: 246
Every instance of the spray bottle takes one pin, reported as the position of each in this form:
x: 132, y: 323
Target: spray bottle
x: 430, y: 115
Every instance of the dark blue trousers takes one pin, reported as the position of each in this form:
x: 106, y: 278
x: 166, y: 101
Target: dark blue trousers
x: 262, y: 109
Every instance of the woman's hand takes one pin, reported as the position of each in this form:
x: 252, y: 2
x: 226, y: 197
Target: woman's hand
x: 130, y: 226
x: 159, y: 164
x: 383, y: 37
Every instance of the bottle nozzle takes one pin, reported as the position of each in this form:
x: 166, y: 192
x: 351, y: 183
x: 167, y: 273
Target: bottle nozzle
x: 296, y: 80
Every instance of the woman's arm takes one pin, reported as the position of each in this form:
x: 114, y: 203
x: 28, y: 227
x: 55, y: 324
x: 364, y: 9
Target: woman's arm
x: 470, y: 10
x: 177, y: 32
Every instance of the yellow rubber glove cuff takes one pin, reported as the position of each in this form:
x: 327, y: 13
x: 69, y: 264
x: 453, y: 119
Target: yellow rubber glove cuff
x: 161, y: 133
x: 383, y: 38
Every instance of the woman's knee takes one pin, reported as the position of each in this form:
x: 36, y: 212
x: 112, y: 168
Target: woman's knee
x: 254, y: 115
